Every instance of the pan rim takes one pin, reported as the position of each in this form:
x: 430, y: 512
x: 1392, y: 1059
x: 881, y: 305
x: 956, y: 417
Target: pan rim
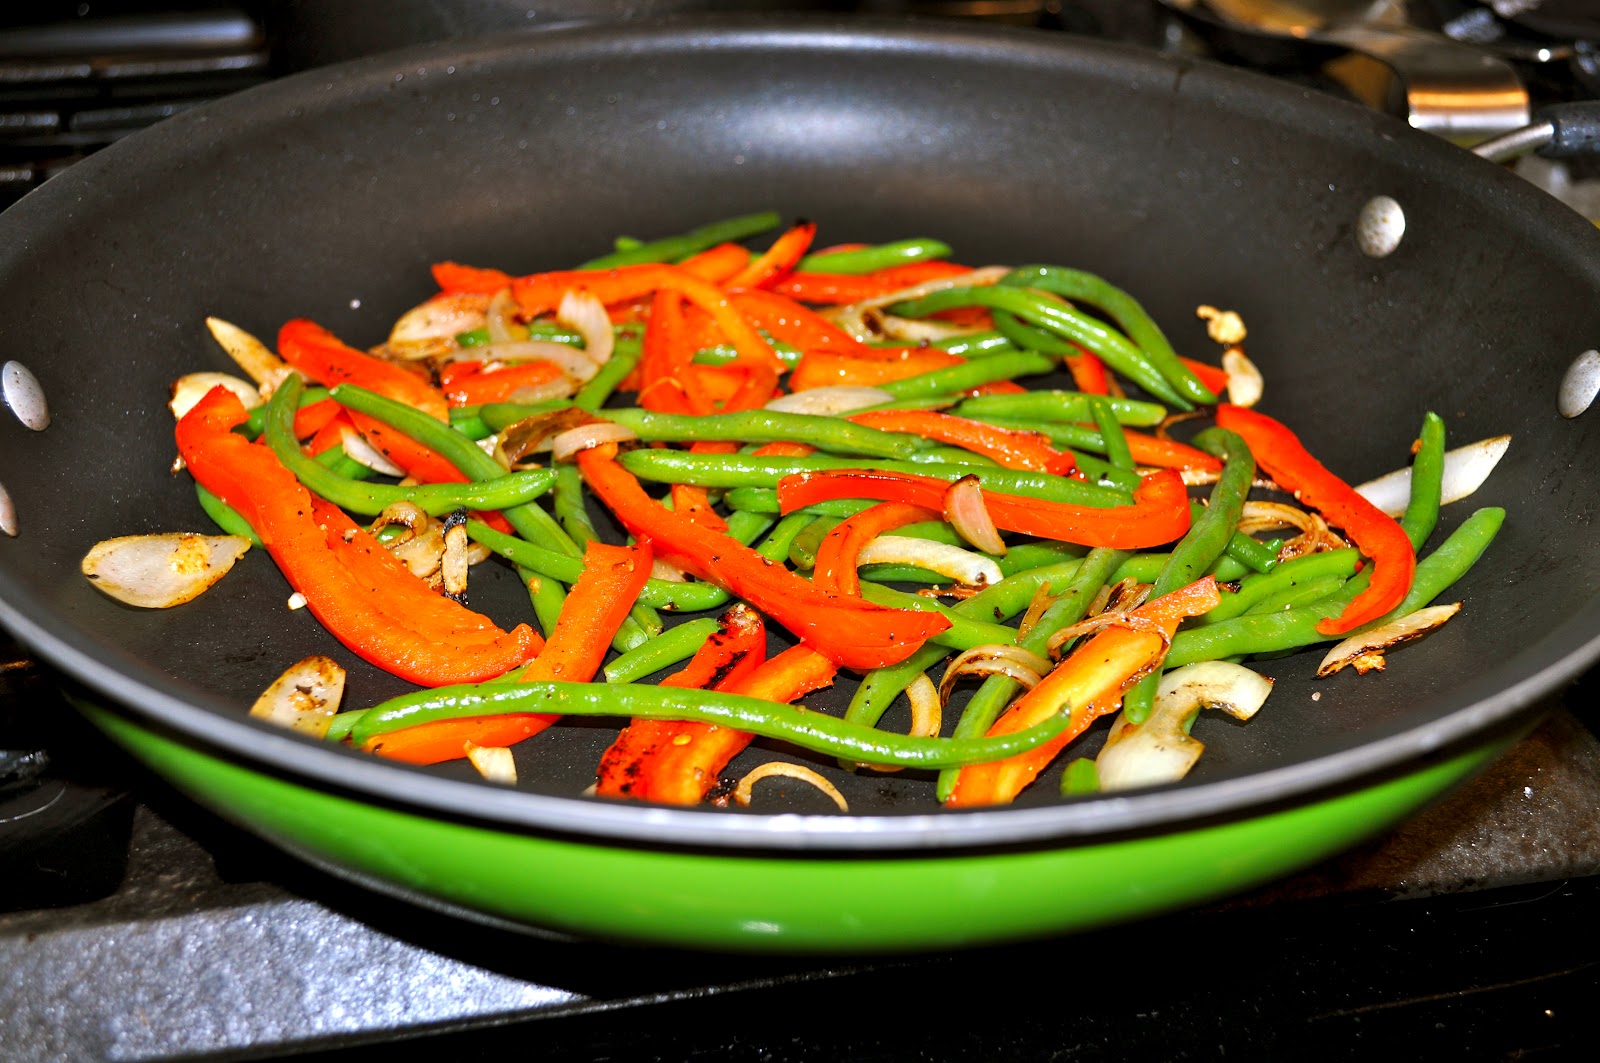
x: 1165, y: 808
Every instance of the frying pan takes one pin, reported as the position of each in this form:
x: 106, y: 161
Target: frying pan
x: 327, y: 195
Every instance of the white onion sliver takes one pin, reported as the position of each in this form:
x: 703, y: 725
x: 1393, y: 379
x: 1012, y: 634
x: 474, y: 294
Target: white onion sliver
x: 1160, y: 750
x: 494, y: 763
x: 359, y: 450
x: 1245, y: 383
x: 594, y: 434
x: 1013, y: 662
x: 190, y: 388
x: 1465, y: 470
x: 570, y: 360
x: 830, y: 400
x: 968, y: 514
x: 1364, y: 651
x: 952, y: 562
x: 500, y: 317
x: 587, y: 316
x: 666, y: 570
x: 249, y: 353
x: 927, y: 711
x: 742, y: 792
x: 1236, y: 690
x: 160, y: 571
x: 304, y: 698
x: 852, y: 318
x: 437, y: 322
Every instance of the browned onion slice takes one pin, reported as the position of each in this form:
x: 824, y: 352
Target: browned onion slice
x: 778, y: 768
x: 1364, y: 651
x: 304, y: 698
x: 163, y: 570
x: 968, y: 514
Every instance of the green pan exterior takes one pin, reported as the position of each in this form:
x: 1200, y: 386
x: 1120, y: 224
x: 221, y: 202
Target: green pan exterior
x: 795, y: 904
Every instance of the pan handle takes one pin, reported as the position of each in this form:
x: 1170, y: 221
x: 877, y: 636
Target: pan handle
x: 1559, y: 131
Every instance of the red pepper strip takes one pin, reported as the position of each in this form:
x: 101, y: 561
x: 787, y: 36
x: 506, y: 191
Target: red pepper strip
x: 666, y: 355
x: 366, y: 598
x: 784, y: 450
x: 665, y: 396
x: 1089, y: 684
x: 716, y: 264
x: 1088, y: 373
x: 685, y: 768
x: 1214, y: 378
x: 475, y: 387
x: 454, y: 277
x: 823, y: 368
x: 314, y: 417
x: 694, y: 502
x: 321, y: 356
x: 777, y: 261
x: 789, y: 322
x: 759, y: 386
x: 1167, y: 453
x: 1159, y: 513
x: 1012, y: 449
x: 726, y: 658
x: 331, y: 434
x: 996, y: 387
x: 849, y: 631
x: 542, y: 292
x: 838, y: 288
x: 611, y: 580
x: 835, y: 568
x: 976, y: 318
x: 1379, y: 536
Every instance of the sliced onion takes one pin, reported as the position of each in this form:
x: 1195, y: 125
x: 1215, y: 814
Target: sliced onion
x: 742, y: 792
x: 1245, y: 383
x: 304, y: 698
x: 830, y: 400
x: 586, y: 315
x: 570, y: 360
x: 1223, y: 326
x: 494, y: 763
x: 914, y: 330
x: 1013, y: 662
x: 535, y: 434
x: 594, y: 434
x: 1364, y: 651
x: 1465, y: 470
x: 1160, y: 750
x: 852, y: 318
x: 1110, y: 618
x: 453, y: 560
x: 249, y: 353
x: 160, y: 571
x: 963, y: 566
x: 431, y: 329
x: 359, y: 450
x: 1261, y: 516
x: 1042, y: 600
x: 190, y: 388
x: 927, y: 711
x: 500, y: 319
x: 666, y: 570
x: 968, y: 514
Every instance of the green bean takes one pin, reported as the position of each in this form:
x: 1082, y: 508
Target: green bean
x: 531, y: 522
x: 816, y: 731
x: 968, y: 375
x: 342, y: 724
x: 1213, y: 530
x: 963, y: 632
x: 1288, y: 574
x: 256, y: 422
x: 736, y: 470
x: 778, y: 544
x: 473, y: 427
x: 883, y: 572
x: 1080, y: 776
x: 942, y: 455
x: 1115, y: 349
x: 1254, y: 554
x: 765, y: 500
x: 1116, y: 443
x: 724, y: 353
x: 676, y: 644
x: 565, y: 568
x: 566, y: 499
x: 1126, y: 312
x: 1301, y: 593
x: 626, y: 243
x: 1427, y: 475
x: 1295, y: 628
x: 225, y: 516
x: 537, y: 330
x: 502, y: 415
x: 748, y: 527
x: 872, y: 259
x: 803, y: 550
x: 1105, y: 473
x: 598, y: 388
x: 973, y: 344
x: 1050, y: 406
x: 768, y: 426
x: 996, y: 691
x: 673, y: 248
x: 1146, y: 568
x: 370, y: 499
x: 546, y: 595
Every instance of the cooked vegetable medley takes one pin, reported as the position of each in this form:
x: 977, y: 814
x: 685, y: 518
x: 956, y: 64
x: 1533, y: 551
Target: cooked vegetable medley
x: 856, y: 445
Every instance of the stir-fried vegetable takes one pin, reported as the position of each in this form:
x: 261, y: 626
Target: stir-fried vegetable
x: 790, y: 431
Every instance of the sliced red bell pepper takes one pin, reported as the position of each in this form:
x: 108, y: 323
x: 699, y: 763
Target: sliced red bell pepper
x: 1012, y: 449
x: 1379, y: 536
x: 835, y: 568
x: 1089, y: 684
x: 803, y: 329
x: 1159, y: 513
x: 823, y: 369
x: 1167, y: 453
x: 471, y: 384
x: 716, y: 264
x: 611, y: 580
x: 314, y: 417
x: 996, y: 387
x: 729, y: 656
x: 685, y: 768
x: 849, y: 631
x: 322, y: 357
x: 777, y: 261
x: 366, y: 598
x: 1213, y: 377
x: 694, y: 502
x: 454, y: 277
x: 839, y: 288
x: 1088, y: 372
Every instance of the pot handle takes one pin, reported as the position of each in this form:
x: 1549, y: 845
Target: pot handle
x: 1559, y: 131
